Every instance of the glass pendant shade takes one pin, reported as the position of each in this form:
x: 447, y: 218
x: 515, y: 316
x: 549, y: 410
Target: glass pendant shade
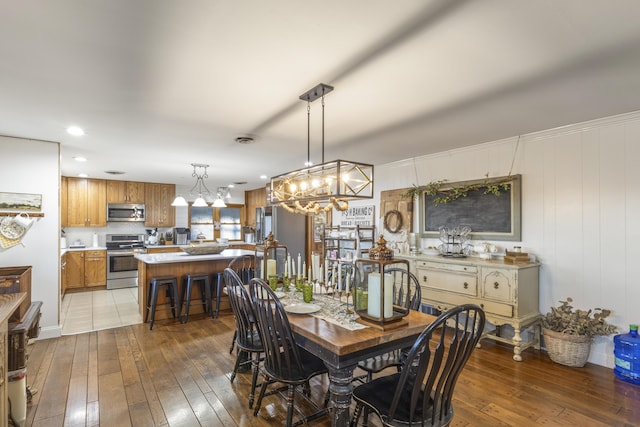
x: 179, y: 201
x: 219, y: 203
x: 200, y: 202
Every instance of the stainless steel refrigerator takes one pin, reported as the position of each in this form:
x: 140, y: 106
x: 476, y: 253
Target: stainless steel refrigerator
x: 288, y: 228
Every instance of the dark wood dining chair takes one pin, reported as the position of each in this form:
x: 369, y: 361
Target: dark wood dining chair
x: 245, y: 268
x: 284, y: 361
x: 247, y: 337
x: 406, y: 293
x: 422, y: 392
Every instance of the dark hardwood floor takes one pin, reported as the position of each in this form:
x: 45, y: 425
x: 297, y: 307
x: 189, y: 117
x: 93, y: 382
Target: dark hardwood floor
x: 178, y: 375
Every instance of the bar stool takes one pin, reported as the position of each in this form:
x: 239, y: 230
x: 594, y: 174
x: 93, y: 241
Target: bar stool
x: 217, y: 281
x: 188, y: 281
x: 171, y: 282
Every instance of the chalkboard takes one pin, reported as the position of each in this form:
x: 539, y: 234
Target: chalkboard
x: 490, y: 216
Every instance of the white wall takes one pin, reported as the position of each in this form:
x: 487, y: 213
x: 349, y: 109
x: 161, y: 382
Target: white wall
x: 33, y: 167
x: 580, y: 205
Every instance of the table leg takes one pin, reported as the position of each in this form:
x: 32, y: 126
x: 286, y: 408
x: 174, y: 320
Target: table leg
x: 341, y: 388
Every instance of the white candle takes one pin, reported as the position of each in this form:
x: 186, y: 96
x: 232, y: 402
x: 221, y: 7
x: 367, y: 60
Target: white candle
x: 326, y: 271
x: 289, y: 269
x: 271, y: 267
x: 286, y: 269
x: 309, y: 276
x: 375, y: 297
x: 299, y: 265
x: 293, y: 268
x: 304, y: 269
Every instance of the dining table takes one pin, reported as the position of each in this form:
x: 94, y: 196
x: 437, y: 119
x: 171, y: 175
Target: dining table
x: 344, y: 343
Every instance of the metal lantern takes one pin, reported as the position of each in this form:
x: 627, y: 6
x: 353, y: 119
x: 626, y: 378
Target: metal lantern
x: 271, y: 259
x: 374, y: 288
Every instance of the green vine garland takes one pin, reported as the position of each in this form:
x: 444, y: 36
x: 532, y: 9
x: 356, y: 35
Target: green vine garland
x: 446, y: 194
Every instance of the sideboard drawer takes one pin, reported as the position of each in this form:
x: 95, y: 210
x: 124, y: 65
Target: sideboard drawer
x: 461, y: 283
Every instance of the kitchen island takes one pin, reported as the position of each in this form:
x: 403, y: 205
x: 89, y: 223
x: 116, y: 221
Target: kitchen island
x: 177, y: 264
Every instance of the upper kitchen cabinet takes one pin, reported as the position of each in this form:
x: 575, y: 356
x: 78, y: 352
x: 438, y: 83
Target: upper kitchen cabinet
x: 157, y: 201
x: 125, y: 192
x: 254, y: 199
x: 85, y: 202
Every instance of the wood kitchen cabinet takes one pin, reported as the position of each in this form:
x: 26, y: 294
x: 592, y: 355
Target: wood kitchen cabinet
x: 95, y: 268
x: 254, y: 199
x: 84, y: 269
x: 73, y: 270
x: 158, y: 209
x: 125, y: 191
x: 508, y: 293
x: 85, y: 202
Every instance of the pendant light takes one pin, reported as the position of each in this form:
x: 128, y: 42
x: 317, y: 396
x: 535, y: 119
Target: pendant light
x: 325, y: 186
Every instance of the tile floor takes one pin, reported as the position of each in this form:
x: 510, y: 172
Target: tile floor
x: 103, y: 309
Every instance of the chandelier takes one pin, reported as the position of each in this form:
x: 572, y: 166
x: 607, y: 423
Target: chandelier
x: 322, y: 187
x: 201, y: 190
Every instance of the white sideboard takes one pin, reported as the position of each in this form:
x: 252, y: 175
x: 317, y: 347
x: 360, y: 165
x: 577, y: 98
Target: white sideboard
x: 508, y: 293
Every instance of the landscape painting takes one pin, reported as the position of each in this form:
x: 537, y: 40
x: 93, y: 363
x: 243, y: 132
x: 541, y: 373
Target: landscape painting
x: 20, y: 202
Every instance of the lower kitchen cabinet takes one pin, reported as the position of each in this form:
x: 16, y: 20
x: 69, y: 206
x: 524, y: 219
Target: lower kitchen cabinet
x: 508, y: 293
x: 84, y: 269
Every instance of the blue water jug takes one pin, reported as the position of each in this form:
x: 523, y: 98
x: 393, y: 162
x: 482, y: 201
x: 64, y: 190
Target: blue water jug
x: 627, y: 354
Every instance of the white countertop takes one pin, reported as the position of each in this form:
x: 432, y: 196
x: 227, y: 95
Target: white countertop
x: 172, y: 257
x: 97, y: 248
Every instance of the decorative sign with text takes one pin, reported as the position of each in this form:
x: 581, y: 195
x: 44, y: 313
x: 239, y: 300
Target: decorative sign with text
x: 357, y: 215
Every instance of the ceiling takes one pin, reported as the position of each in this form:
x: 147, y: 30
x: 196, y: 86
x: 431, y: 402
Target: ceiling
x: 158, y: 85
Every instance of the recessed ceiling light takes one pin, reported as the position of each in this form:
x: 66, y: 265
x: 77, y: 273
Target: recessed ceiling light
x: 80, y: 159
x: 83, y: 175
x: 75, y: 131
x: 263, y: 176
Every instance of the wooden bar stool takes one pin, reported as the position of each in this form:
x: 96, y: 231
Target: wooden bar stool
x: 202, y: 281
x: 171, y: 282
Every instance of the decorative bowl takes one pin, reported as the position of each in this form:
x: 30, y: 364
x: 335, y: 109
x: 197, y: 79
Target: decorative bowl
x: 205, y: 248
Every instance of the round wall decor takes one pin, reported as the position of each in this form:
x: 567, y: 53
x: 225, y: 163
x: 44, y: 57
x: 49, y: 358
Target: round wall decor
x: 393, y: 221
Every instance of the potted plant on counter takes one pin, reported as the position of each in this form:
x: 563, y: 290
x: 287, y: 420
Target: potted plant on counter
x: 568, y: 332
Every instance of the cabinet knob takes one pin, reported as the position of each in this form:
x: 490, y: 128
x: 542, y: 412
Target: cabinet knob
x: 482, y: 306
x: 496, y: 285
x: 424, y: 278
x: 465, y: 285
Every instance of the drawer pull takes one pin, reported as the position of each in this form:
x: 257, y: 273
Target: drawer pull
x: 496, y: 285
x: 424, y: 279
x: 465, y: 285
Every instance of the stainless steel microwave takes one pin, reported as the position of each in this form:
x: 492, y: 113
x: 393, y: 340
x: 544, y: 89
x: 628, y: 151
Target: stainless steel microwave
x: 125, y: 212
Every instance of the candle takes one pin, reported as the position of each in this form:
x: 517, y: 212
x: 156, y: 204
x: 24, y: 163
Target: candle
x: 299, y: 265
x: 304, y: 269
x: 286, y: 269
x: 293, y: 268
x: 271, y: 267
x: 375, y: 297
x: 326, y: 270
x: 289, y: 269
x: 309, y: 276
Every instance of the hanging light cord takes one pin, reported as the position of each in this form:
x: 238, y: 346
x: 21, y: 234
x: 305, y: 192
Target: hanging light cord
x: 322, y: 125
x: 308, y: 133
x: 515, y: 151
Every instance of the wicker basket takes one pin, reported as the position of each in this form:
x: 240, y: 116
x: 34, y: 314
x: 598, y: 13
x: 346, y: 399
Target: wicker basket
x: 569, y: 350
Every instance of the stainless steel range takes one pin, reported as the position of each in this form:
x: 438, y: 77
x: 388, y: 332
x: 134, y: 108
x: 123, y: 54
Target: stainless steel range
x: 122, y: 267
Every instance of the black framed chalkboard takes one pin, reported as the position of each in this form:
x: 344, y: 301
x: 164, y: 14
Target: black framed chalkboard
x: 490, y: 216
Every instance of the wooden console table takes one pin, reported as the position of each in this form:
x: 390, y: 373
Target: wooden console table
x: 508, y: 293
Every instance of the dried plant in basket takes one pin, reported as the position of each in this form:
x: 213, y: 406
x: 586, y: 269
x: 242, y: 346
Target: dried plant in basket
x: 567, y: 320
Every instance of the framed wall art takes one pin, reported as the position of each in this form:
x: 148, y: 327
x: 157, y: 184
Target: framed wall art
x: 490, y: 215
x: 20, y: 202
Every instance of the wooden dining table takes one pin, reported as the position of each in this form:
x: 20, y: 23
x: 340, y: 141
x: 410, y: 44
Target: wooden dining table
x: 342, y: 349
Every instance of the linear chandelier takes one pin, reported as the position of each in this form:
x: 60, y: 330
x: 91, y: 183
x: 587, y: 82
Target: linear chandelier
x: 325, y: 186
